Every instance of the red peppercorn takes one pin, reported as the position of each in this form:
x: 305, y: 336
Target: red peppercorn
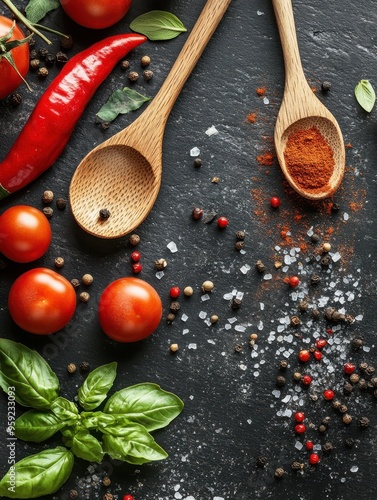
x: 304, y: 355
x: 317, y: 355
x: 135, y: 256
x: 328, y: 394
x: 300, y: 429
x: 309, y: 445
x: 275, y: 202
x: 137, y: 267
x: 222, y: 222
x: 306, y: 379
x: 174, y: 292
x: 349, y: 368
x: 314, y: 458
x: 294, y: 281
x: 329, y: 331
x: 320, y: 343
x: 128, y: 497
x: 299, y: 416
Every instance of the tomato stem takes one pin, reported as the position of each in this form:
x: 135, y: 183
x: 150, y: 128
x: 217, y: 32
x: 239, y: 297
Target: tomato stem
x: 25, y: 21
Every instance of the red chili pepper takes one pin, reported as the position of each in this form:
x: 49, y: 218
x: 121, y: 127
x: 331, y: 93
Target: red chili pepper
x: 55, y: 115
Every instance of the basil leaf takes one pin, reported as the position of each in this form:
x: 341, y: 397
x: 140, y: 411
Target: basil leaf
x: 121, y: 102
x: 86, y: 446
x: 36, y: 385
x: 158, y: 25
x: 95, y: 420
x: 64, y: 409
x: 136, y: 442
x: 37, y: 475
x: 146, y: 404
x: 37, y: 426
x: 37, y: 9
x: 96, y: 386
x: 365, y: 95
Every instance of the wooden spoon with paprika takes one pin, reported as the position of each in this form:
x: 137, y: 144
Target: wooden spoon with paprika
x: 115, y: 186
x: 303, y: 118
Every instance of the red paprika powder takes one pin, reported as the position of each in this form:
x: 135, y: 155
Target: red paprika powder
x: 309, y: 158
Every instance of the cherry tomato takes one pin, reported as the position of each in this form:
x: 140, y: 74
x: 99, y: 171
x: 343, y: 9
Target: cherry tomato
x: 96, y: 14
x: 41, y: 301
x: 9, y: 78
x: 25, y: 233
x: 129, y: 309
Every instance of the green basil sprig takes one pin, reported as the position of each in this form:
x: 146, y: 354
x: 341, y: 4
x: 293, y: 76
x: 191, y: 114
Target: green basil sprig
x: 365, y: 95
x: 122, y: 429
x: 35, y: 384
x: 120, y: 102
x: 37, y: 475
x: 158, y: 25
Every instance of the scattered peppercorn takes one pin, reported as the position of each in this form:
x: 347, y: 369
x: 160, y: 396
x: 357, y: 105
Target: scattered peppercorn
x: 238, y: 348
x: 326, y: 86
x: 75, y: 282
x: 357, y: 342
x: 148, y: 75
x: 48, y: 211
x: 328, y: 394
x: 87, y: 279
x: 260, y: 266
x: 61, y: 58
x: 104, y: 214
x: 207, y: 286
x: 315, y: 279
x: 135, y: 256
x: 239, y: 245
x: 335, y: 207
x: 160, y: 264
x: 137, y: 267
x: 61, y: 203
x: 71, y: 368
x: 343, y: 408
x: 313, y: 458
x: 198, y: 162
x: 294, y: 281
x: 197, y: 213
x: 322, y: 428
x: 333, y: 315
x: 106, y: 481
x: 214, y: 318
x: 108, y: 496
x: 222, y: 222
x: 354, y: 378
x: 47, y: 196
x: 174, y: 347
x: 34, y: 64
x: 304, y: 355
x: 66, y: 42
x: 297, y: 376
x: 42, y: 73
x: 134, y: 239
x: 170, y: 318
x: 326, y: 261
x: 280, y: 381
x: 84, y: 366
x: 236, y: 303
x: 347, y: 388
x: 295, y: 321
x: 15, y: 99
x: 279, y: 472
x: 364, y: 422
x: 347, y: 419
x: 316, y: 314
x: 174, y: 292
x: 188, y: 291
x: 262, y: 461
x: 59, y: 262
x: 283, y: 364
x: 50, y: 59
x: 297, y: 466
x: 275, y: 202
x: 73, y: 494
x: 326, y: 247
x: 125, y: 64
x: 314, y: 238
x: 133, y: 76
x: 175, y: 306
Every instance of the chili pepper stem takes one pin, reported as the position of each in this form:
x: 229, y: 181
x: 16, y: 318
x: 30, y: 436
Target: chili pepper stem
x: 25, y: 21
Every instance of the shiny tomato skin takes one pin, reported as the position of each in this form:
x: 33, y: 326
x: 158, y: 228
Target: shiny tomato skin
x: 9, y: 79
x: 25, y: 233
x: 96, y: 14
x: 41, y: 301
x: 129, y: 310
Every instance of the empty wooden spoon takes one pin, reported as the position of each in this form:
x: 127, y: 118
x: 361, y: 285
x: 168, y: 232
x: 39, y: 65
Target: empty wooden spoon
x: 302, y: 110
x: 123, y: 174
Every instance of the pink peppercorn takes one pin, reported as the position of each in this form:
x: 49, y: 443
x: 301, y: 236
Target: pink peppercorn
x: 328, y: 394
x: 275, y: 202
x: 300, y: 429
x: 314, y: 458
x: 222, y: 222
x: 306, y: 379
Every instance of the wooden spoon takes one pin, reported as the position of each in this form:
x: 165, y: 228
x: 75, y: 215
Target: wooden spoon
x: 301, y: 109
x: 123, y: 174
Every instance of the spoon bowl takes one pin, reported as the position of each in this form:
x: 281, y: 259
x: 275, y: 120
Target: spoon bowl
x: 301, y: 110
x: 123, y: 174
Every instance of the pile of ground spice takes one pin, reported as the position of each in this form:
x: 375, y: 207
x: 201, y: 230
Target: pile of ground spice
x: 309, y: 158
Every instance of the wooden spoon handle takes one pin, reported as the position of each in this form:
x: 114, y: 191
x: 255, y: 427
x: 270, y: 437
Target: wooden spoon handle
x: 195, y: 44
x: 286, y: 25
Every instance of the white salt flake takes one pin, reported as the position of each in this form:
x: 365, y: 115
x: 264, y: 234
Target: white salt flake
x: 286, y: 399
x: 228, y: 327
x: 346, y: 216
x: 298, y: 445
x: 245, y: 269
x: 202, y: 315
x: 184, y: 317
x: 239, y: 295
x: 261, y: 305
x: 260, y: 325
x: 194, y: 152
x: 259, y: 13
x: 266, y: 100
x: 232, y: 320
x: 212, y: 131
x: 192, y: 346
x: 205, y: 297
x: 267, y: 277
x: 185, y: 331
x: 172, y: 247
x: 160, y: 274
x: 276, y: 393
x: 240, y: 328
x: 210, y: 341
x: 228, y: 296
x: 354, y: 468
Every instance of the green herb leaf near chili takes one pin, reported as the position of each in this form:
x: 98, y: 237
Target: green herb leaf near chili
x: 121, y: 102
x: 365, y: 95
x: 158, y: 25
x: 36, y: 385
x: 38, y: 475
x: 96, y: 386
x: 37, y: 9
x: 146, y: 404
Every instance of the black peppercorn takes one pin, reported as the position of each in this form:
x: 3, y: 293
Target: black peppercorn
x: 364, y: 422
x: 325, y: 86
x: 197, y: 213
x: 147, y: 75
x: 297, y: 466
x: 333, y: 315
x: 322, y: 428
x: 349, y: 442
x: 362, y: 384
x: 66, y: 42
x: 133, y: 76
x: 61, y: 203
x: 33, y: 54
x: 42, y: 53
x: 314, y: 238
x: 75, y: 282
x: 239, y: 245
x: 262, y: 461
x: 34, y: 64
x: 236, y: 303
x: 61, y: 59
x: 327, y: 448
x: 50, y: 59
x: 315, y: 279
x: 347, y: 389
x: 363, y: 366
x: 303, y: 305
x: 42, y: 72
x: 125, y: 64
x: 73, y: 494
x: 260, y: 266
x: 316, y: 314
x: 336, y: 404
x: 104, y: 213
x: 240, y: 235
x: 326, y: 261
x: 295, y: 321
x: 198, y: 162
x: 48, y: 211
x: 326, y: 420
x: 283, y: 364
x: 280, y: 381
x: 335, y: 207
x: 343, y: 409
x: 175, y: 306
x: 170, y: 318
x: 370, y: 370
x: 15, y: 99
x: 84, y: 366
x: 238, y: 348
x: 279, y: 472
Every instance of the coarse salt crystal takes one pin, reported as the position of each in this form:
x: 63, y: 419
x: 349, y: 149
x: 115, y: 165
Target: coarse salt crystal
x: 267, y: 277
x: 298, y: 445
x: 160, y: 274
x: 346, y: 216
x: 245, y: 269
x: 354, y: 468
x: 228, y: 296
x: 261, y: 305
x: 232, y: 320
x: 210, y: 341
x: 212, y: 131
x: 194, y: 152
x: 185, y: 331
x: 266, y: 100
x: 239, y: 295
x: 259, y: 13
x: 260, y: 325
x: 184, y: 317
x: 276, y: 393
x: 240, y: 328
x: 204, y: 297
x: 227, y: 326
x: 202, y: 315
x: 192, y: 346
x: 172, y: 247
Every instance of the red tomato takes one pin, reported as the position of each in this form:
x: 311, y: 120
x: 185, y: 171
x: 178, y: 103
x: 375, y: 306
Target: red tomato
x: 41, y: 301
x: 25, y: 233
x: 96, y: 14
x: 9, y: 79
x: 129, y: 309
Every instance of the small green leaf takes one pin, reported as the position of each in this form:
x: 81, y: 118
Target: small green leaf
x: 38, y: 475
x: 37, y: 426
x: 121, y: 102
x: 146, y: 404
x: 158, y: 25
x: 96, y: 386
x: 64, y: 409
x: 135, y: 442
x: 86, y: 446
x: 37, y: 9
x: 35, y: 384
x: 365, y: 95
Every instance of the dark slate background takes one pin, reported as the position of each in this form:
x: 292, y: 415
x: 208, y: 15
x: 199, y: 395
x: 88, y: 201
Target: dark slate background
x: 232, y: 413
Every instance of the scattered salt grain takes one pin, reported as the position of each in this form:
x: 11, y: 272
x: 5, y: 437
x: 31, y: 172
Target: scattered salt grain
x: 259, y: 13
x: 160, y: 274
x: 346, y: 216
x: 266, y: 100
x: 184, y: 317
x: 212, y: 131
x: 354, y: 468
x: 204, y: 297
x: 232, y: 320
x: 299, y: 445
x: 240, y: 328
x: 172, y: 247
x: 185, y: 331
x: 202, y: 315
x: 210, y: 341
x: 245, y: 269
x: 192, y: 346
x: 267, y: 277
x: 228, y: 296
x: 194, y: 152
